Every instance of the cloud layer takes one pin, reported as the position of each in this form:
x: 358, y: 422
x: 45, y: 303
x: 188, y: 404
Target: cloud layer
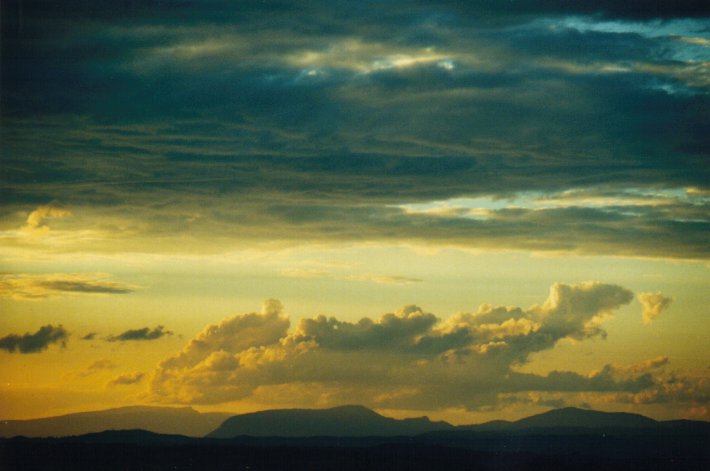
x: 325, y: 121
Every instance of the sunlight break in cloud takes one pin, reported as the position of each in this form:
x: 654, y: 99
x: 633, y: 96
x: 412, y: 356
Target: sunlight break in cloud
x: 22, y: 286
x: 408, y: 358
x: 653, y: 304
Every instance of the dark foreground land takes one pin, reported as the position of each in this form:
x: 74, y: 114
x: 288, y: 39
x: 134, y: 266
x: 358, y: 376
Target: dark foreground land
x: 419, y: 453
x: 49, y: 456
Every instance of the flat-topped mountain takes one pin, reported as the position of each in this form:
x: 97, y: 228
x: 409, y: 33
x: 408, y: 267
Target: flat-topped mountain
x: 163, y: 420
x: 344, y: 421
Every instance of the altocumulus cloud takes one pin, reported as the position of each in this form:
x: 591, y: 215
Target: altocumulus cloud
x: 33, y: 343
x: 405, y: 359
x: 145, y: 333
x: 29, y: 286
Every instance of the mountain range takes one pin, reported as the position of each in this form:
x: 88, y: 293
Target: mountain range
x: 350, y: 438
x: 343, y: 421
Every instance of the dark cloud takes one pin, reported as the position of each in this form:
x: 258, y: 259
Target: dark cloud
x: 80, y: 287
x: 634, y: 9
x: 29, y: 286
x: 322, y: 118
x: 141, y: 334
x: 37, y: 342
x: 89, y: 336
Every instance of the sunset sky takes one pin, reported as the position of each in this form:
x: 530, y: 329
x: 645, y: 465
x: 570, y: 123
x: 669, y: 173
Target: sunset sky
x: 466, y: 210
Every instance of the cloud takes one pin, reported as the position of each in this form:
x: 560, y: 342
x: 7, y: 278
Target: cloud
x: 653, y: 304
x: 36, y: 219
x: 126, y: 379
x: 89, y: 336
x: 140, y: 334
x: 394, y: 331
x: 102, y: 364
x: 33, y: 287
x: 408, y: 358
x: 635, y: 9
x: 329, y: 125
x: 364, y: 277
x: 37, y: 342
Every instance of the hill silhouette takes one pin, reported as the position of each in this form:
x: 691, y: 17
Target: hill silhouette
x: 354, y: 437
x: 343, y: 421
x: 569, y: 417
x: 163, y: 420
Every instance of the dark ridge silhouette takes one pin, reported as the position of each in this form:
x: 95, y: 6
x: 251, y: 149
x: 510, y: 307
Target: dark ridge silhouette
x: 354, y: 438
x: 344, y: 421
x: 569, y: 417
x: 544, y: 449
x: 165, y: 420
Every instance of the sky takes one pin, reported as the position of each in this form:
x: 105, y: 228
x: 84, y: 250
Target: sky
x: 465, y: 210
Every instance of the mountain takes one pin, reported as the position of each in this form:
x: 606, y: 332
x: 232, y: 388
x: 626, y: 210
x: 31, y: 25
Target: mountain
x: 570, y: 417
x: 163, y: 420
x: 344, y: 421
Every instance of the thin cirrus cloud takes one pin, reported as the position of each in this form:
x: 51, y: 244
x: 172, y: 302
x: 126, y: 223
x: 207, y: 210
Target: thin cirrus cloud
x: 363, y: 277
x: 33, y: 287
x: 143, y: 334
x: 35, y: 342
x: 406, y: 359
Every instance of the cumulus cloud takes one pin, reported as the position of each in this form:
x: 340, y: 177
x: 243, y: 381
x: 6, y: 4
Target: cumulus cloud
x: 29, y: 286
x: 406, y: 358
x: 140, y: 334
x: 126, y: 379
x: 37, y: 342
x: 653, y: 304
x: 36, y: 219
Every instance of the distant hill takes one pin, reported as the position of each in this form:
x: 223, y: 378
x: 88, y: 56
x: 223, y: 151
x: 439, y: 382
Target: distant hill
x: 569, y: 417
x: 344, y: 421
x: 163, y: 420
